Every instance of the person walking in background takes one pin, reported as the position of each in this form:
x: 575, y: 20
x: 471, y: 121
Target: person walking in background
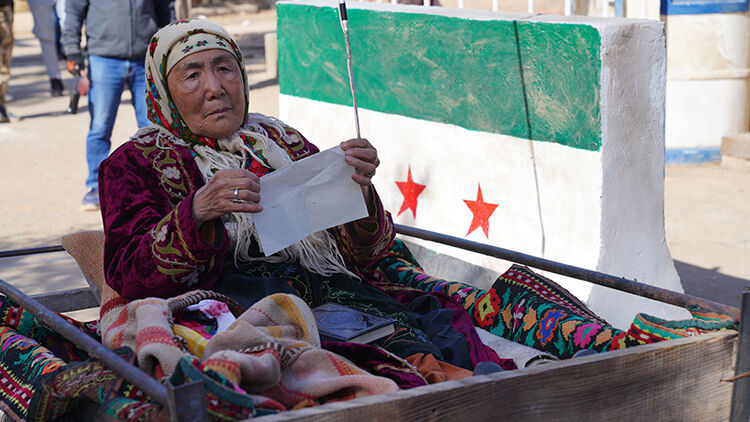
x: 6, y: 48
x: 118, y: 33
x: 45, y: 29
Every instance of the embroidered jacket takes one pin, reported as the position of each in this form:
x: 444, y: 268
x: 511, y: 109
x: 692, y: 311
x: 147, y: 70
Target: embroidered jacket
x: 152, y: 245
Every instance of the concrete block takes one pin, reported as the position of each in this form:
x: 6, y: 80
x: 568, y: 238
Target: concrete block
x: 540, y: 134
x: 734, y: 163
x: 737, y: 146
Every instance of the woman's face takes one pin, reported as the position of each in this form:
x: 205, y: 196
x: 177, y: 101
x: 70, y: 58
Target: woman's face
x: 208, y: 91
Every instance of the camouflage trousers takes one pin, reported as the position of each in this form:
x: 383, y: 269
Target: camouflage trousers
x: 6, y: 47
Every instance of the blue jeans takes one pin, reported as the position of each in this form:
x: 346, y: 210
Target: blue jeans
x: 109, y: 76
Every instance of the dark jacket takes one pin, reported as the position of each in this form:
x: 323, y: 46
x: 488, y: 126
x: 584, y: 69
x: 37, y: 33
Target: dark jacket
x: 4, y: 3
x: 114, y: 28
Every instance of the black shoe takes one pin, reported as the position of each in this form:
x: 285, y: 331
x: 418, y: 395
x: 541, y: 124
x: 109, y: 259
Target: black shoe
x: 4, y: 115
x: 57, y: 87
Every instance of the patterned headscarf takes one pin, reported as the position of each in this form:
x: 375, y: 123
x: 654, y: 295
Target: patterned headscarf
x: 170, y: 45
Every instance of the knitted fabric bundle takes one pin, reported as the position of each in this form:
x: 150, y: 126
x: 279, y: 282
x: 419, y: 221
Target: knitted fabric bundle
x: 145, y: 326
x: 272, y: 350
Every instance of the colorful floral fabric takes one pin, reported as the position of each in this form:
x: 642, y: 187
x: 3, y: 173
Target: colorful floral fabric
x: 521, y: 306
x: 91, y: 382
x: 26, y: 324
x: 532, y: 310
x: 24, y: 366
x: 650, y: 329
x: 461, y: 346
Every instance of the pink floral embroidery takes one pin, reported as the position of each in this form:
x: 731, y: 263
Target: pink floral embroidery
x: 584, y: 333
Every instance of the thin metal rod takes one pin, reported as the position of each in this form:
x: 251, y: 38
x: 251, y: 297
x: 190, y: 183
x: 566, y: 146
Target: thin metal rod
x: 596, y: 277
x: 741, y: 386
x: 147, y: 384
x: 30, y: 251
x: 347, y: 45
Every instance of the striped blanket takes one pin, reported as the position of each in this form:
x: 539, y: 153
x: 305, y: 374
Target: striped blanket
x: 271, y: 353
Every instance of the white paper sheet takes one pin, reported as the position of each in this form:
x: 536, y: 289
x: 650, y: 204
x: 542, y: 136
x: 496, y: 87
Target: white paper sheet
x: 307, y: 196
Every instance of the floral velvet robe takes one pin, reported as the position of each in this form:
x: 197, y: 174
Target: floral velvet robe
x: 153, y: 247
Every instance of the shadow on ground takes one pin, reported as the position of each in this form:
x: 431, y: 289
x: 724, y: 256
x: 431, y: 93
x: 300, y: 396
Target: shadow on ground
x: 710, y: 284
x: 41, y: 273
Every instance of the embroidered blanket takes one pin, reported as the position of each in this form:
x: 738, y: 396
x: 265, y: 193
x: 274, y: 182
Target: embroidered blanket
x: 532, y: 310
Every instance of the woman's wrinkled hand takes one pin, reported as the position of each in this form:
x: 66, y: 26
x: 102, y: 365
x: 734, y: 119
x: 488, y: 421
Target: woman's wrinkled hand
x: 232, y: 190
x: 361, y: 155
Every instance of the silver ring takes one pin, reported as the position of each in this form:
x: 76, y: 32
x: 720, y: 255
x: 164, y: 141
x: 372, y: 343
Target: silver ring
x: 236, y: 198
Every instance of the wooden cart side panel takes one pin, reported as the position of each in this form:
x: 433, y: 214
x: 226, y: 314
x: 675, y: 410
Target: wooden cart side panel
x: 676, y: 380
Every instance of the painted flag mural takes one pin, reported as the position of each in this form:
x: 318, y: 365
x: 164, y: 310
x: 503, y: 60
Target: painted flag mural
x: 520, y: 131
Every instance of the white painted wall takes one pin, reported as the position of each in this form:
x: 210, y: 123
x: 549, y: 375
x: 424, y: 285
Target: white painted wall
x: 707, y: 78
x: 600, y: 210
x: 702, y: 111
x: 633, y: 242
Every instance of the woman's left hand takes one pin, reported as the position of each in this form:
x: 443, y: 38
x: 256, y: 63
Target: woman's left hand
x: 361, y: 155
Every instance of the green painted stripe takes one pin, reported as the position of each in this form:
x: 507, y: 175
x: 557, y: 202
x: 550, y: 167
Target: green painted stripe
x: 445, y: 69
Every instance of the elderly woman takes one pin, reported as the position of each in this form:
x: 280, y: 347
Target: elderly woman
x: 178, y: 199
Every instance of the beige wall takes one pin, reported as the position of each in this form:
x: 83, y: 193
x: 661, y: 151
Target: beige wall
x: 708, y: 69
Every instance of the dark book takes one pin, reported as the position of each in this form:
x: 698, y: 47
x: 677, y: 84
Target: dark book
x: 343, y: 323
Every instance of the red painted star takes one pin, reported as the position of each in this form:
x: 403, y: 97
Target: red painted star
x: 482, y: 212
x: 411, y: 191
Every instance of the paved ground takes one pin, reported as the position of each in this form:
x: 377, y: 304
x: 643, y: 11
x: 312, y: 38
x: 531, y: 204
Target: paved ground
x: 707, y: 211
x: 43, y: 169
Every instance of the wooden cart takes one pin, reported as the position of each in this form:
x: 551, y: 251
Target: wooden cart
x: 676, y: 380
